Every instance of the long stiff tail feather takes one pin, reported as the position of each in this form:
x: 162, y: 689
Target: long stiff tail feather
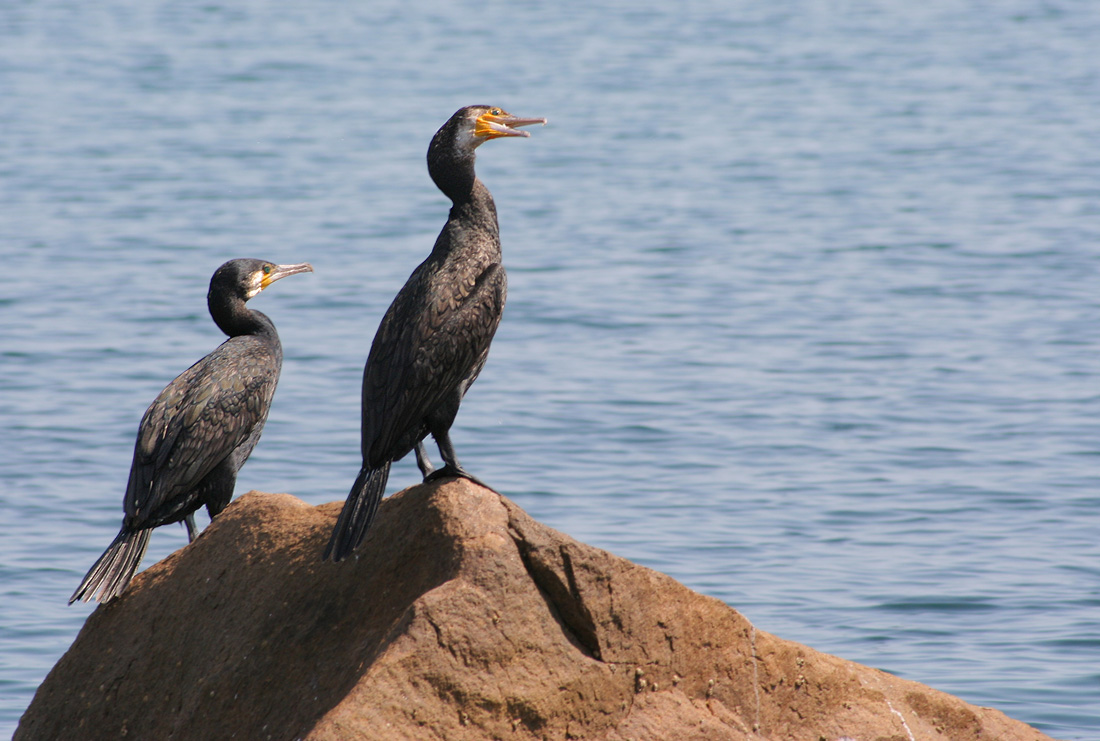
x: 111, y: 574
x: 358, y: 512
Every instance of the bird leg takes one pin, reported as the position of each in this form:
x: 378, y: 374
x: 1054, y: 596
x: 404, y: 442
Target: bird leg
x: 192, y: 530
x: 422, y: 461
x: 452, y: 467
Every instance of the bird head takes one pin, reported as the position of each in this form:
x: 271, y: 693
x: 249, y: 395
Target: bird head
x: 477, y: 124
x: 246, y: 277
x: 263, y: 274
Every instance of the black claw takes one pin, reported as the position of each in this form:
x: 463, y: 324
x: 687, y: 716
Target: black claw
x: 455, y: 472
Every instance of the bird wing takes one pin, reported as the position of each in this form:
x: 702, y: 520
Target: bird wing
x: 417, y: 366
x: 196, y: 421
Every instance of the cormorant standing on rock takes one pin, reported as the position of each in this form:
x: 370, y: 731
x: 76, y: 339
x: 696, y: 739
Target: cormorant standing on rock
x: 200, y: 430
x: 435, y: 337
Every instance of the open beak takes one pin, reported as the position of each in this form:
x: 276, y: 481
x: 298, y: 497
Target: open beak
x: 282, y: 271
x: 493, y: 127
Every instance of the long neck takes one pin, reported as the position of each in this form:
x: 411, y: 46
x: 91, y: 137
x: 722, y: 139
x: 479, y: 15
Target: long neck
x: 235, y: 319
x: 473, y: 218
x: 452, y: 169
x: 471, y: 229
x: 477, y: 211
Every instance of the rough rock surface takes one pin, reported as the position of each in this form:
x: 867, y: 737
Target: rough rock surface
x: 461, y: 618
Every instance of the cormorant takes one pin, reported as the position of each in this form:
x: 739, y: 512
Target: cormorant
x: 434, y: 339
x: 200, y: 430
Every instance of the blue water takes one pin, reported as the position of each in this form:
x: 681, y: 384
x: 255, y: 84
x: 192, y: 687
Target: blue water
x: 803, y: 306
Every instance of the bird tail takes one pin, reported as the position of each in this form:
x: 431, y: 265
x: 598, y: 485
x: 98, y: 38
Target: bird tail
x: 358, y: 512
x: 111, y: 574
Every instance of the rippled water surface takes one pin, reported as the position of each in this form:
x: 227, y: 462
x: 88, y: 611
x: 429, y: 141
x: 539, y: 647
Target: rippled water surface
x: 803, y: 299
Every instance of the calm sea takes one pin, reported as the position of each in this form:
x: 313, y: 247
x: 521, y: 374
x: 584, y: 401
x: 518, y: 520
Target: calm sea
x: 803, y: 311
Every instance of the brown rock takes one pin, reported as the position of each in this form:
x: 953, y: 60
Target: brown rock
x: 461, y: 618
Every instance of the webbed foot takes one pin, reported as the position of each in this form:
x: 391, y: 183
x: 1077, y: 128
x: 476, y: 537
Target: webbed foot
x: 449, y: 471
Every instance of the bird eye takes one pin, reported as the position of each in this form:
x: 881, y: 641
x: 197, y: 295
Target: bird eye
x: 267, y: 270
x: 495, y: 111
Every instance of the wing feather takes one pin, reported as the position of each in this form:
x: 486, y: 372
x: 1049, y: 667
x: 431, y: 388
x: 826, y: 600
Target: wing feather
x: 197, y: 421
x: 415, y: 366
